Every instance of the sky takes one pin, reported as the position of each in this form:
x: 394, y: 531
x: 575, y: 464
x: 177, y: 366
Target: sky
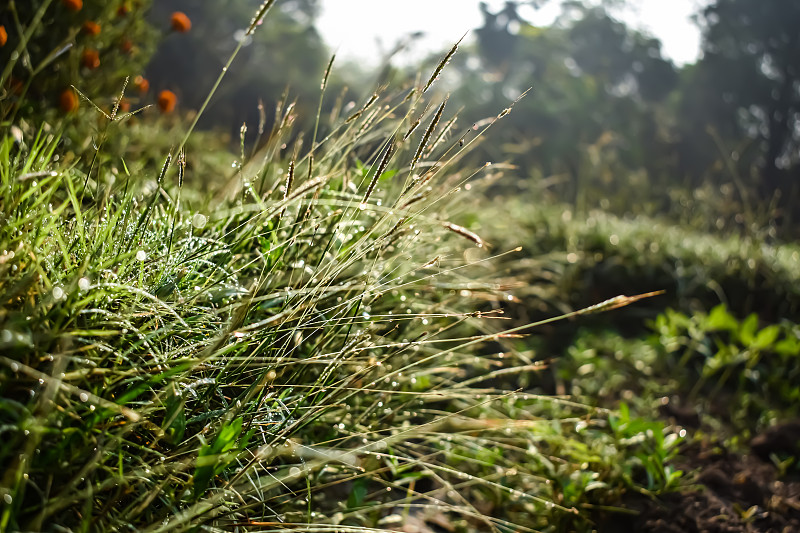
x: 381, y: 23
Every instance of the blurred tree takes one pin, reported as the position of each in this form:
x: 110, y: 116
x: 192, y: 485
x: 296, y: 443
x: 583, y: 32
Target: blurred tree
x: 746, y: 90
x: 596, y: 117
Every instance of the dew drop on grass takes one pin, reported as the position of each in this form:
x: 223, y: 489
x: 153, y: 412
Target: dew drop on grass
x: 294, y: 471
x: 141, y: 255
x: 83, y: 284
x: 199, y: 220
x: 8, y: 499
x: 58, y: 293
x: 84, y: 397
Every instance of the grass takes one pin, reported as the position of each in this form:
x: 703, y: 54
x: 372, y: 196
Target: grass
x: 304, y: 356
x: 168, y: 363
x: 315, y: 343
x: 572, y: 261
x: 172, y: 362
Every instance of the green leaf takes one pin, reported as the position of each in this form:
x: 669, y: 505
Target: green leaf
x: 357, y: 493
x: 788, y: 347
x: 174, y: 419
x: 766, y: 337
x: 719, y: 319
x: 388, y: 174
x: 212, y: 459
x: 227, y: 436
x: 747, y: 331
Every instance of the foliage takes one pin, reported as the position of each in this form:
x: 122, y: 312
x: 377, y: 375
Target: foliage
x: 594, y: 120
x: 579, y: 260
x: 745, y: 88
x: 737, y: 375
x: 171, y: 361
x: 610, y: 123
x: 309, y: 335
x: 286, y: 52
x: 736, y: 362
x: 52, y: 47
x: 162, y: 356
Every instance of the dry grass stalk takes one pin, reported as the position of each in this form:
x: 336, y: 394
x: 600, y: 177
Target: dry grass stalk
x: 616, y: 302
x: 307, y: 186
x: 464, y: 232
x: 259, y: 16
x: 358, y: 113
x: 327, y: 73
x: 425, y: 138
x: 289, y: 180
x: 413, y: 127
x: 445, y: 60
x: 381, y: 168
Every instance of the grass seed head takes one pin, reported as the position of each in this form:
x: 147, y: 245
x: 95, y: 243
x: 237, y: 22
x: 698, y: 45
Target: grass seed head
x: 425, y: 138
x: 443, y: 63
x: 464, y: 232
x: 381, y: 168
x: 259, y: 16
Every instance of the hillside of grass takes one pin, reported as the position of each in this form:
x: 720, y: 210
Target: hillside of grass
x: 335, y: 328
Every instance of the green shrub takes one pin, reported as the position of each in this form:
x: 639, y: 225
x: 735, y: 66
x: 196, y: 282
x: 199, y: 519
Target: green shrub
x: 736, y: 376
x: 56, y: 44
x: 582, y: 260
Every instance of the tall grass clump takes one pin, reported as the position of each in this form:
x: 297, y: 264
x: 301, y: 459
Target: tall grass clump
x: 313, y: 344
x: 298, y: 351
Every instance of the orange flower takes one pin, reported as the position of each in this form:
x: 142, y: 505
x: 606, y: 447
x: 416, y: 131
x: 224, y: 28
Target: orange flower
x: 141, y: 84
x: 126, y: 46
x: 123, y: 10
x: 73, y: 5
x: 90, y: 58
x: 166, y: 101
x: 3, y: 35
x: 68, y: 101
x: 91, y: 28
x: 180, y: 22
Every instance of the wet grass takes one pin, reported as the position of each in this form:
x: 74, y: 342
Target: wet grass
x: 315, y: 342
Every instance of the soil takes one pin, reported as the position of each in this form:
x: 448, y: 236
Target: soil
x: 732, y: 493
